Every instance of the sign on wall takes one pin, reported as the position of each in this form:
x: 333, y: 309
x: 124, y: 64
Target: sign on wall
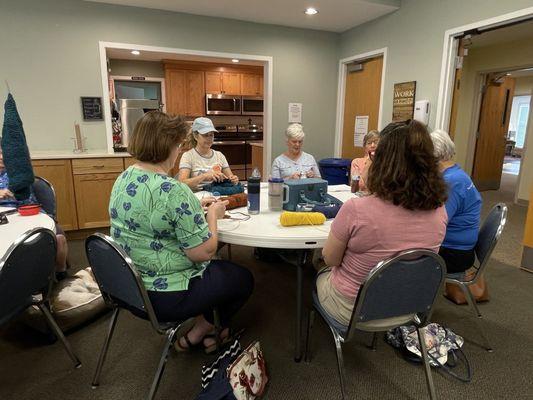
x: 92, y: 108
x: 403, y: 103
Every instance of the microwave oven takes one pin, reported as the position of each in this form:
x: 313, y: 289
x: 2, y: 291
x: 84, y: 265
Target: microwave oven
x: 220, y: 104
x: 252, y: 105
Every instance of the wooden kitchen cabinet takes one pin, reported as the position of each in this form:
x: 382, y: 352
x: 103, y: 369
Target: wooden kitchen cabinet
x: 257, y: 158
x: 251, y: 85
x: 185, y: 92
x: 223, y: 83
x: 59, y: 174
x: 129, y: 161
x: 93, y: 182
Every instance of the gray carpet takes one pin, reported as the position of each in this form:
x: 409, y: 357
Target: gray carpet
x: 30, y: 369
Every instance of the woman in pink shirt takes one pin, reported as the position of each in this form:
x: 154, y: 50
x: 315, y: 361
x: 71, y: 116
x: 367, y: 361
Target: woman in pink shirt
x: 360, y: 165
x: 405, y: 209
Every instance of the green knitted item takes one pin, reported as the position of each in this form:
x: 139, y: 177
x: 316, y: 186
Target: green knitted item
x: 15, y: 152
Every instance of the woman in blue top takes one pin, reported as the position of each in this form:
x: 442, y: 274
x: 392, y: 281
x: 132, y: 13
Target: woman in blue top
x: 463, y: 208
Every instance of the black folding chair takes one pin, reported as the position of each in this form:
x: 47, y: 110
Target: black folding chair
x: 399, y: 291
x: 488, y: 237
x: 122, y: 287
x: 26, y: 275
x: 45, y: 195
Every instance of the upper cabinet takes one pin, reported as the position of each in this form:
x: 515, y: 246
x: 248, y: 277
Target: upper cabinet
x: 185, y: 92
x: 223, y: 82
x: 251, y: 85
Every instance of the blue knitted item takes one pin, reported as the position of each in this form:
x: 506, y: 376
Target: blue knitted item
x: 225, y: 188
x: 15, y: 152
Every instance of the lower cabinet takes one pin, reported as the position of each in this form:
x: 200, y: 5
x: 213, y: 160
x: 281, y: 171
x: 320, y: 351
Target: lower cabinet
x: 92, y: 198
x: 59, y: 174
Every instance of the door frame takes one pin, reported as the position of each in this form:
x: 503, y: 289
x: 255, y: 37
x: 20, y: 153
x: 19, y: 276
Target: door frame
x: 529, y: 131
x: 267, y: 86
x: 449, y: 51
x: 343, y: 68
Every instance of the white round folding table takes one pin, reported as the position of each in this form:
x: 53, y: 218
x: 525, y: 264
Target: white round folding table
x: 265, y: 230
x: 18, y: 225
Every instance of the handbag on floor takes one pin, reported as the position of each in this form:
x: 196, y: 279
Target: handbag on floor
x: 247, y: 375
x: 479, y: 290
x: 444, y: 348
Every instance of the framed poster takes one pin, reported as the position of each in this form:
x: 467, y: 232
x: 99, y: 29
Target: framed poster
x: 403, y: 101
x: 92, y: 108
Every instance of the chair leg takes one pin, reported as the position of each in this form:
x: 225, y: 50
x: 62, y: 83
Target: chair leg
x: 169, y: 342
x: 373, y: 346
x: 310, y: 323
x: 473, y: 306
x: 427, y: 366
x: 229, y: 251
x: 57, y: 331
x: 340, y: 362
x: 103, y: 353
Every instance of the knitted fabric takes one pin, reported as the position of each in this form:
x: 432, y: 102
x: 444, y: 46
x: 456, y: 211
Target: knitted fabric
x: 15, y: 152
x: 225, y: 188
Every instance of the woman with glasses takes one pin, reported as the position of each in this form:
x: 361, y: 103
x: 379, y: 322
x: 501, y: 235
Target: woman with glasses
x: 161, y: 225
x: 201, y: 164
x: 361, y: 165
x: 404, y: 210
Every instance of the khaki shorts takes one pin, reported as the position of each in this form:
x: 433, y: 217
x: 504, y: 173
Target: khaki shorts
x: 336, y: 305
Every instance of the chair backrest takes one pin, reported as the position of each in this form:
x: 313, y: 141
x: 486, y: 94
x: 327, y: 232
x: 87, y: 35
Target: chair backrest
x: 489, y: 234
x: 27, y: 268
x: 45, y: 195
x: 117, y: 277
x: 406, y: 284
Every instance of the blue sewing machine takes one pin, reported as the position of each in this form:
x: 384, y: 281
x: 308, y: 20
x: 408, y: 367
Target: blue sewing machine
x: 305, y: 194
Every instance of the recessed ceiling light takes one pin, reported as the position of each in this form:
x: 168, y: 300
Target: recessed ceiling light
x: 234, y: 60
x: 135, y: 52
x: 311, y: 11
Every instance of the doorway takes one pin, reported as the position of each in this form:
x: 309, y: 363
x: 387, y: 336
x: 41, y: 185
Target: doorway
x: 359, y: 74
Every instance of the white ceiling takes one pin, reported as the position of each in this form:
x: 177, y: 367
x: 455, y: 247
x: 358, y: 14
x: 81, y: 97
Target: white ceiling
x: 334, y: 15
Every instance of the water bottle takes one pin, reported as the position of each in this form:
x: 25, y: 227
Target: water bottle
x: 254, y: 192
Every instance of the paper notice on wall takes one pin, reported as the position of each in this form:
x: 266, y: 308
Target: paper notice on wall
x: 361, y: 129
x: 295, y: 112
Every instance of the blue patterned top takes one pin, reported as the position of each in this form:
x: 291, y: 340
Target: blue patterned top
x: 11, y: 201
x: 155, y: 218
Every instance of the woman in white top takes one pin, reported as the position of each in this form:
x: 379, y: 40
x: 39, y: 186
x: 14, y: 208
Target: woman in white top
x: 201, y: 164
x: 295, y: 163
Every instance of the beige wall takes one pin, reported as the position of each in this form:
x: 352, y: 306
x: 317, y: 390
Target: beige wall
x: 414, y: 36
x: 51, y: 58
x: 523, y: 86
x: 489, y: 58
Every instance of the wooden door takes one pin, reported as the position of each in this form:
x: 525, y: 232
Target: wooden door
x: 456, y: 88
x: 231, y: 83
x: 59, y: 174
x: 213, y: 82
x: 92, y: 197
x: 362, y: 97
x: 175, y: 91
x: 195, y: 95
x: 492, y: 132
x: 251, y: 85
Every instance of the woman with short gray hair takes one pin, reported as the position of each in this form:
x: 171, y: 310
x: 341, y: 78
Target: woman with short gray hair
x: 295, y: 163
x: 463, y: 207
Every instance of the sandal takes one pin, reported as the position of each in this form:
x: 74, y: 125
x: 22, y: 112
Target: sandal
x: 232, y: 335
x: 190, y: 347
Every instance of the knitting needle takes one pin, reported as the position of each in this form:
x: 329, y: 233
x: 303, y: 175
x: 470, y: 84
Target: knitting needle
x: 7, y: 85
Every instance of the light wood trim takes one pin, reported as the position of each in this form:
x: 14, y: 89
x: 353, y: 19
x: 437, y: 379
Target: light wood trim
x: 206, y: 66
x: 59, y: 174
x: 82, y: 166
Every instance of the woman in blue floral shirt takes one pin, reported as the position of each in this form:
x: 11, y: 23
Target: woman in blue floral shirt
x: 161, y: 225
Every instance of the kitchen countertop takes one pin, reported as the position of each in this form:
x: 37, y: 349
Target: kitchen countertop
x: 258, y: 144
x: 67, y: 154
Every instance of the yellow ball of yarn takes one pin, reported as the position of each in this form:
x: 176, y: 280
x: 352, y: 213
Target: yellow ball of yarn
x: 291, y: 218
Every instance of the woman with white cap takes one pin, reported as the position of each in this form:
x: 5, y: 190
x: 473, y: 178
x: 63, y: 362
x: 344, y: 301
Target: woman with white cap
x: 201, y: 164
